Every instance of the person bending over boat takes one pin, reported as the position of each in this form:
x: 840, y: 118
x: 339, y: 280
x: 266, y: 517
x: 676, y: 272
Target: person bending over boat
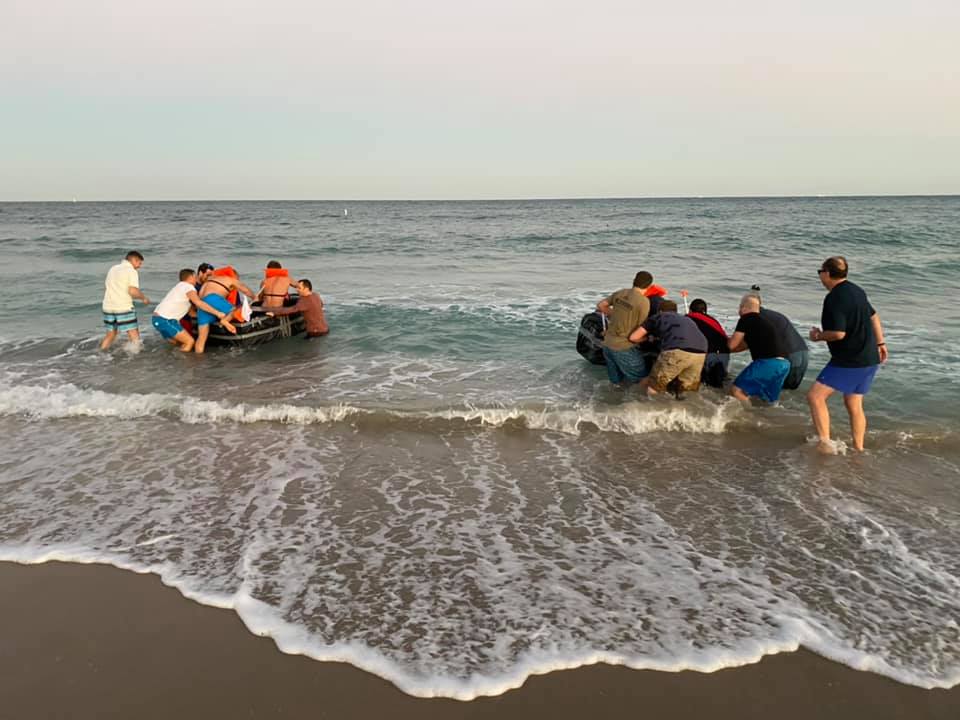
x: 275, y: 286
x: 221, y: 290
x: 176, y: 304
x: 683, y: 349
x: 798, y: 355
x: 310, y: 305
x: 718, y: 352
x: 626, y: 310
x: 189, y: 321
x: 765, y: 375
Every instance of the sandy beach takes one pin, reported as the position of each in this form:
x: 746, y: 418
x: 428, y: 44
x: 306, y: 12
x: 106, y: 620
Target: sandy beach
x: 97, y: 642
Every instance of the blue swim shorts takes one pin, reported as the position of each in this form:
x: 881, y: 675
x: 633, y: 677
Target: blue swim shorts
x: 166, y: 327
x: 220, y: 303
x: 625, y: 365
x: 121, y: 322
x: 849, y: 381
x: 764, y: 378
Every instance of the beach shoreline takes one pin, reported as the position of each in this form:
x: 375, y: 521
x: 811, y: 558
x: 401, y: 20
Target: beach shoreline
x: 93, y: 641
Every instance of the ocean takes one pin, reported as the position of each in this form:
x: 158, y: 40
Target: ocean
x: 442, y: 491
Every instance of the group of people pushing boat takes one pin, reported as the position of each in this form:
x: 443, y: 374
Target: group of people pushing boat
x: 211, y: 295
x: 645, y: 340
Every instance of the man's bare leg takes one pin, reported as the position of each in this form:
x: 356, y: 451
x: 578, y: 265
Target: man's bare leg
x: 183, y: 340
x: 108, y: 339
x: 819, y: 412
x: 202, y: 332
x: 739, y: 394
x: 858, y: 420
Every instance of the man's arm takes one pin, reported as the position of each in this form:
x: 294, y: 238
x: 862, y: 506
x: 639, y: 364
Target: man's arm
x: 878, y: 334
x: 638, y: 335
x: 737, y: 342
x: 287, y: 310
x: 135, y: 293
x: 603, y: 307
x: 818, y: 335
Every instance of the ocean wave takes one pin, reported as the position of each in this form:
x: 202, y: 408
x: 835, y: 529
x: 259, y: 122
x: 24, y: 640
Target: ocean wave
x: 38, y: 402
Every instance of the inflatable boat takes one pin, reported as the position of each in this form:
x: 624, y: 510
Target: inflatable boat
x: 257, y: 330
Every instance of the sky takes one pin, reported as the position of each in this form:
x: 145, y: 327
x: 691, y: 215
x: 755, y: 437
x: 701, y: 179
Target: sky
x: 440, y: 99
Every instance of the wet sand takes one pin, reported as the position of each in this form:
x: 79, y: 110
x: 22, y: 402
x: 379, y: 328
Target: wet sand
x: 85, y: 641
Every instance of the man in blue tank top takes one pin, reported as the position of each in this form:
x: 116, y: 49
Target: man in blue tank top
x: 852, y: 330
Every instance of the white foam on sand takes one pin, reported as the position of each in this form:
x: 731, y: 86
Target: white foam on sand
x: 462, y: 565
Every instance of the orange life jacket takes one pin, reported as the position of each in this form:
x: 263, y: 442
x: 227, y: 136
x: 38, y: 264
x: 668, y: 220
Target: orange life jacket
x: 276, y: 272
x: 655, y: 291
x: 228, y: 271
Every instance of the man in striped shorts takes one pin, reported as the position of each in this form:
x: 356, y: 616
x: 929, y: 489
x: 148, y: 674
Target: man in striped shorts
x: 120, y: 288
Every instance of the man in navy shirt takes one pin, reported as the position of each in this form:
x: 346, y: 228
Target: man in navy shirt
x: 852, y: 331
x: 683, y: 349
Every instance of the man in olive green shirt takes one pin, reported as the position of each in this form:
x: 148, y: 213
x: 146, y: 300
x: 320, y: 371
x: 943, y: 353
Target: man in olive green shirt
x: 626, y: 310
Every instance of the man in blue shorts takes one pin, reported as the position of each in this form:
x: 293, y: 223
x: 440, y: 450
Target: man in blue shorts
x: 852, y: 331
x: 176, y: 304
x: 764, y: 376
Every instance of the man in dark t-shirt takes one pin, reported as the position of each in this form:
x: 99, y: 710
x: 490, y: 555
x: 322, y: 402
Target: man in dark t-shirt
x: 682, y: 349
x: 797, y: 353
x: 852, y: 331
x: 765, y: 375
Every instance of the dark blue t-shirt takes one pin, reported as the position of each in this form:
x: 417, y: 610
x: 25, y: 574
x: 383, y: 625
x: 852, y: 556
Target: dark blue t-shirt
x: 676, y: 332
x: 789, y: 337
x: 847, y: 309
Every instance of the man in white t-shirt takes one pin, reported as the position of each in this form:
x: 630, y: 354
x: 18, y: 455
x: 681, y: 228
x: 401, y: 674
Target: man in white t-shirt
x: 120, y: 288
x: 176, y: 304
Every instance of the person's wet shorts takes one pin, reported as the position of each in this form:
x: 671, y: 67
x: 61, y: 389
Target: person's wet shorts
x: 764, y: 378
x: 218, y: 302
x: 624, y: 365
x: 849, y: 381
x: 121, y: 322
x: 166, y: 327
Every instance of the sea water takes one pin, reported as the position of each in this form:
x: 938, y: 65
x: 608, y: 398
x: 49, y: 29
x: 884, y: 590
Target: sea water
x: 442, y: 491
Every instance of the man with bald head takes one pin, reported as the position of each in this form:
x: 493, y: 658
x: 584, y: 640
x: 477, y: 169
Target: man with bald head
x: 852, y: 330
x: 764, y: 376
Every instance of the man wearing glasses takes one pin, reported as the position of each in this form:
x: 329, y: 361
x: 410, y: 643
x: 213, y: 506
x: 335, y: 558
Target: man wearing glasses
x: 852, y: 331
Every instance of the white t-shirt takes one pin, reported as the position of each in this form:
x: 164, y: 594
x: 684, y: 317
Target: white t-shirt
x: 175, y: 303
x: 120, y: 278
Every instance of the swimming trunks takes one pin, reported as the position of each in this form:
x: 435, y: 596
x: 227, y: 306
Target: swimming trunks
x: 166, y: 327
x: 764, y: 378
x: 121, y: 322
x: 848, y: 380
x: 217, y: 302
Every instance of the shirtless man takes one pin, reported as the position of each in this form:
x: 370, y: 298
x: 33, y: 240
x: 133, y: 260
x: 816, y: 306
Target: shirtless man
x: 216, y: 292
x: 274, y: 288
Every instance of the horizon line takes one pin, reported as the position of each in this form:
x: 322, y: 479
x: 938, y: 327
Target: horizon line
x: 818, y: 196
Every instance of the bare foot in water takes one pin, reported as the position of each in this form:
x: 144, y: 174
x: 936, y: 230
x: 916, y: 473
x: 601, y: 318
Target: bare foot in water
x: 826, y: 447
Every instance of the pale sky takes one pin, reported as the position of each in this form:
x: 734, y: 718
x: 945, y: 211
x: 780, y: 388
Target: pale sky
x: 440, y: 99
